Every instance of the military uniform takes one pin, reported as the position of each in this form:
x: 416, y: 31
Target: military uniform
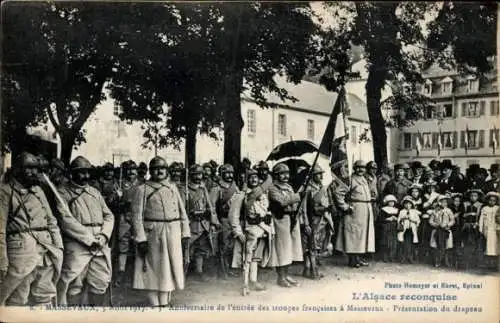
x: 398, y: 188
x: 30, y: 246
x: 81, y: 262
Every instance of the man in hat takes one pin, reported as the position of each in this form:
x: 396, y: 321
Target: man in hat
x: 418, y: 171
x: 142, y: 171
x: 284, y: 203
x: 87, y: 256
x: 319, y: 219
x: 202, y: 219
x: 399, y: 185
x: 435, y: 166
x: 161, y: 232
x: 266, y: 180
x: 253, y: 229
x: 383, y: 178
x: 493, y: 184
x: 123, y: 221
x: 408, y: 172
x: 357, y: 231
x: 31, y: 248
x: 220, y: 197
x: 472, y: 177
x: 447, y: 183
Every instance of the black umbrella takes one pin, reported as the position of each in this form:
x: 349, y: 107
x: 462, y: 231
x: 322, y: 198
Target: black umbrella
x: 294, y: 148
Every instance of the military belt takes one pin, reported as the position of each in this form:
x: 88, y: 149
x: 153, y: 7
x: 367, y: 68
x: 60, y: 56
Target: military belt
x: 199, y: 216
x: 257, y: 219
x: 9, y: 232
x: 161, y: 220
x: 93, y: 225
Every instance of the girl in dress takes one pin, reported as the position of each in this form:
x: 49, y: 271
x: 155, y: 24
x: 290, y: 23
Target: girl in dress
x: 388, y: 225
x: 488, y: 227
x: 415, y: 192
x: 424, y: 235
x: 408, y: 222
x: 441, y: 237
x: 469, y: 233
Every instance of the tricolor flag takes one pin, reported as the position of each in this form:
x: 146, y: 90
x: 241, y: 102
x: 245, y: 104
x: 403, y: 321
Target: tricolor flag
x: 466, y: 139
x: 494, y: 142
x: 418, y: 145
x: 334, y: 142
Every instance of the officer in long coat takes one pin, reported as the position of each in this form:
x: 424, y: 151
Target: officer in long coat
x: 253, y: 230
x: 87, y: 255
x: 319, y: 225
x: 30, y: 241
x: 161, y: 231
x: 202, y: 219
x: 357, y: 232
x: 284, y: 203
x: 220, y: 197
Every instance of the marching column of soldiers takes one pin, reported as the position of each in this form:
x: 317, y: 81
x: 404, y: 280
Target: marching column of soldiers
x: 67, y: 235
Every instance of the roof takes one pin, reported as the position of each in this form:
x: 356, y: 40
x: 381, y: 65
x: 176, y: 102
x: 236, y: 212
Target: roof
x: 316, y: 99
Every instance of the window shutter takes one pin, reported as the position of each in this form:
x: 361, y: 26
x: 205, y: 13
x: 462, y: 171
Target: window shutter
x: 402, y: 141
x: 492, y: 108
x: 481, y: 138
x: 492, y: 133
x: 414, y: 140
x: 435, y: 136
x: 462, y: 139
x: 455, y: 139
x: 464, y: 109
x: 482, y: 107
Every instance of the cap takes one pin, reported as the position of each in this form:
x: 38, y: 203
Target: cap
x: 492, y: 194
x: 262, y: 165
x: 226, y: 168
x: 359, y: 163
x: 251, y: 172
x: 26, y: 159
x: 372, y: 165
x: 389, y: 198
x: 280, y: 168
x: 205, y: 165
x: 80, y: 162
x: 407, y: 199
x: 195, y: 169
x: 57, y: 163
x: 175, y: 166
x: 157, y: 162
x: 142, y: 165
x: 108, y: 166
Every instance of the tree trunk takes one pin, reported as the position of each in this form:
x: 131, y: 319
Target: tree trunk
x: 233, y: 123
x: 374, y: 84
x: 67, y: 142
x: 190, y: 149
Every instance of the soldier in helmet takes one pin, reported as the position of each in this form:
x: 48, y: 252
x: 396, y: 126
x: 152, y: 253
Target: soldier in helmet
x: 220, y: 197
x: 161, y: 231
x: 142, y: 171
x: 208, y: 177
x: 284, y: 203
x: 357, y: 231
x: 87, y: 257
x: 58, y: 172
x: 253, y: 230
x: 109, y: 186
x: 202, y: 219
x: 175, y: 171
x: 320, y: 221
x: 31, y: 248
x: 266, y: 180
x: 124, y: 218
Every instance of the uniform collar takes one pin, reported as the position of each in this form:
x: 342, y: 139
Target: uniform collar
x: 79, y: 189
x: 159, y: 184
x: 18, y: 187
x: 226, y: 185
x: 283, y: 185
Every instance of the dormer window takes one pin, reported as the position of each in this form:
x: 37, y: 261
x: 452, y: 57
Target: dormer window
x: 427, y: 89
x: 472, y: 84
x: 447, y: 85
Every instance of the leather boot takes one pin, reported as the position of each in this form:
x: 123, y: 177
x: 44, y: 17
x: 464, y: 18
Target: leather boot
x: 282, y: 278
x: 292, y: 281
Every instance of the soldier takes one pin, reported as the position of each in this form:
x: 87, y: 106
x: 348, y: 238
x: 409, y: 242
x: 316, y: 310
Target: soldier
x: 243, y: 168
x: 320, y: 223
x: 220, y: 197
x: 87, y: 256
x: 357, y: 232
x: 175, y: 171
x: 57, y: 172
x: 161, y: 231
x: 142, y: 171
x: 284, y: 203
x: 383, y: 179
x: 208, y: 173
x: 399, y: 185
x: 254, y: 233
x: 266, y: 180
x: 108, y: 186
x: 30, y: 245
x: 124, y: 218
x: 202, y: 219
x: 371, y: 178
x: 493, y: 184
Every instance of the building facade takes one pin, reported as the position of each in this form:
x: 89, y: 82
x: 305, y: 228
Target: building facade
x: 463, y: 125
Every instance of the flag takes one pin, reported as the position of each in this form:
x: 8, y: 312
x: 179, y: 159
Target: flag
x: 418, y: 145
x: 439, y: 143
x: 334, y: 141
x: 466, y: 138
x: 494, y: 142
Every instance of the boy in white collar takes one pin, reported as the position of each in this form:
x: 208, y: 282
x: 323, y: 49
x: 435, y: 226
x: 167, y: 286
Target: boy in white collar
x: 408, y: 222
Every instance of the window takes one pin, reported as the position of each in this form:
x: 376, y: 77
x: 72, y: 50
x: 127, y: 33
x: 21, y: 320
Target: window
x: 120, y: 129
x: 117, y: 110
x: 353, y: 135
x: 428, y: 112
x: 448, y: 110
x: 427, y: 88
x: 282, y: 124
x: 494, y: 137
x: 251, y: 124
x: 446, y: 88
x: 494, y: 108
x: 473, y: 108
x: 472, y: 85
x: 447, y: 140
x: 406, y: 140
x: 310, y: 129
x: 473, y: 139
x: 427, y: 140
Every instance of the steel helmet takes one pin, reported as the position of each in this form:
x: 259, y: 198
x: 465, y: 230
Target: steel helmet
x: 195, y: 169
x: 80, y: 162
x: 262, y: 165
x: 359, y: 163
x: 26, y: 159
x: 226, y: 168
x: 317, y: 170
x: 281, y: 168
x: 157, y: 162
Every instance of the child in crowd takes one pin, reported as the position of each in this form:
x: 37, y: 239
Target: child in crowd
x: 388, y: 226
x: 408, y: 222
x: 457, y: 207
x: 424, y: 235
x: 488, y: 227
x: 469, y: 234
x: 441, y: 220
x: 415, y: 192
